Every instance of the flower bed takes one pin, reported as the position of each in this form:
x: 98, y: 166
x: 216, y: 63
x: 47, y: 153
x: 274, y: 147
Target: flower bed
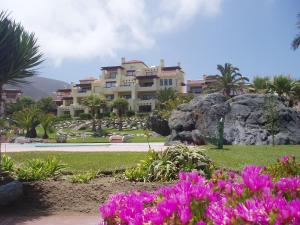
x: 254, y: 197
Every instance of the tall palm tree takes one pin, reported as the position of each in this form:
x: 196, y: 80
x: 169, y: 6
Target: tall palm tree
x: 47, y: 121
x: 94, y: 102
x: 19, y: 56
x: 230, y: 80
x: 296, y: 41
x: 121, y: 105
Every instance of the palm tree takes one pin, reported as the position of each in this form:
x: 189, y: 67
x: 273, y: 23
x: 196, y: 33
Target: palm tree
x: 286, y: 88
x: 121, y: 105
x: 282, y: 85
x: 165, y: 95
x: 296, y: 41
x: 230, y: 80
x: 19, y: 53
x: 261, y: 84
x: 94, y: 102
x: 28, y: 119
x: 46, y: 122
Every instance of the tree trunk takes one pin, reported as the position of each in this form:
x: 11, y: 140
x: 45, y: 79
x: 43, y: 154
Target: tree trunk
x: 45, y: 136
x: 1, y: 100
x: 93, y: 120
x: 31, y: 133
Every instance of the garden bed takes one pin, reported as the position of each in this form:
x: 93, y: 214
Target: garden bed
x: 63, y: 196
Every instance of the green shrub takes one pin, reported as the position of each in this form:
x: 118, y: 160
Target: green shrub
x: 165, y: 165
x: 64, y: 117
x: 85, y: 116
x: 285, y: 167
x: 103, y: 115
x: 130, y: 113
x: 112, y: 114
x: 7, y: 164
x: 82, y: 178
x: 38, y: 169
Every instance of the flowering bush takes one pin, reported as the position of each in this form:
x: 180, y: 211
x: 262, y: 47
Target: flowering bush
x: 252, y: 198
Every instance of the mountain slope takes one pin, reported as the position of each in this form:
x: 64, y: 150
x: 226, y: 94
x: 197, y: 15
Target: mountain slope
x: 40, y: 87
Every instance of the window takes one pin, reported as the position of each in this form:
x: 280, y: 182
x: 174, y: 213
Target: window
x: 109, y: 97
x: 147, y: 97
x: 127, y: 96
x: 166, y: 82
x: 110, y: 84
x: 170, y: 82
x: 111, y: 75
x: 130, y: 73
x: 196, y: 90
x: 161, y: 82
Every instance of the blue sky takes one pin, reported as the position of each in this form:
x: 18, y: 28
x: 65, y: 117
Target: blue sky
x: 253, y: 35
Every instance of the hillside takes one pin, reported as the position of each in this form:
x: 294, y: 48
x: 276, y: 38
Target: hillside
x: 39, y: 87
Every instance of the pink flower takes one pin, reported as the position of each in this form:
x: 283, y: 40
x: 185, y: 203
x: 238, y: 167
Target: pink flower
x: 254, y: 180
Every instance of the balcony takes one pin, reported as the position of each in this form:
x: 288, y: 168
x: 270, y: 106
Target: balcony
x: 141, y: 87
x: 83, y: 93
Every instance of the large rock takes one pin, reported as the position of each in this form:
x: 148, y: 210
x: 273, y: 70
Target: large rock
x: 159, y: 125
x: 10, y: 192
x: 244, y: 120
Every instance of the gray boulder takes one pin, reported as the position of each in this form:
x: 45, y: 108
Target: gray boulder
x: 10, y: 192
x: 244, y: 120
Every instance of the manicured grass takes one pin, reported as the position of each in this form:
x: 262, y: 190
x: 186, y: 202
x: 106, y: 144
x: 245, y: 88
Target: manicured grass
x: 86, y: 161
x: 232, y: 157
x: 144, y: 139
x: 237, y: 156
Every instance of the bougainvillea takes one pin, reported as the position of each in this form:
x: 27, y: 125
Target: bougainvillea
x: 251, y: 198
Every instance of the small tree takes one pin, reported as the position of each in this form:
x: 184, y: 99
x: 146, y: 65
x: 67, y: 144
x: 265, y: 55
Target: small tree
x: 94, y: 102
x: 47, y: 121
x: 28, y: 119
x: 165, y: 95
x: 272, y: 115
x: 230, y: 80
x: 121, y: 105
x: 46, y: 105
x: 21, y: 103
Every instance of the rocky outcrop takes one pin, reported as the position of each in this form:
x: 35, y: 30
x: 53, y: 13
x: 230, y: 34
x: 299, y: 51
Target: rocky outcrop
x: 10, y: 192
x: 244, y: 116
x: 158, y: 125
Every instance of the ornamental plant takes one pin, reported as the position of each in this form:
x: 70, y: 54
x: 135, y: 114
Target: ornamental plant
x: 253, y: 197
x: 165, y: 165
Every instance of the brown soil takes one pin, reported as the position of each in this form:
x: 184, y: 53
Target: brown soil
x: 64, y: 197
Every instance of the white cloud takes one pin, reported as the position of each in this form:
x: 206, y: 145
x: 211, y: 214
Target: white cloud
x: 81, y: 29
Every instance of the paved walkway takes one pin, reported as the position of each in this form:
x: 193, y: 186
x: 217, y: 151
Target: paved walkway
x: 68, y: 219
x: 84, y: 147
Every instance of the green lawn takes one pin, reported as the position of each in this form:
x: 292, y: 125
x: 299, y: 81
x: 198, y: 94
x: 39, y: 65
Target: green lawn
x: 86, y: 161
x: 237, y: 156
x: 233, y: 157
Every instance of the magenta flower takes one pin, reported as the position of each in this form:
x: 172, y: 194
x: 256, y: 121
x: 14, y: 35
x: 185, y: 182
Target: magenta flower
x: 254, y: 180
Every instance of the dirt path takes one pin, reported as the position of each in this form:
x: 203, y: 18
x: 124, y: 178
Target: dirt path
x: 61, y: 202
